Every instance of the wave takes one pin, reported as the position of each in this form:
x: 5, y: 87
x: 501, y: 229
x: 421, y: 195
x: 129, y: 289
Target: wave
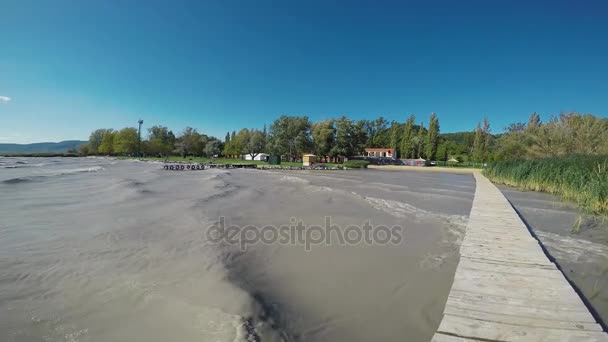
x: 84, y: 169
x: 572, y: 248
x: 404, y: 210
x: 18, y: 180
x: 35, y: 178
x: 24, y: 165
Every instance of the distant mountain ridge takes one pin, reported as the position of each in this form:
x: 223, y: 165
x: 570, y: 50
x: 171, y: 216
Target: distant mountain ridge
x: 43, y: 147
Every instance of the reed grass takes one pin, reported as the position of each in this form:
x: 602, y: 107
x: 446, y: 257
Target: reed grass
x: 580, y: 179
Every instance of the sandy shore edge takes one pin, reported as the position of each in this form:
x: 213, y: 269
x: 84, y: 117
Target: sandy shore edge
x: 424, y: 169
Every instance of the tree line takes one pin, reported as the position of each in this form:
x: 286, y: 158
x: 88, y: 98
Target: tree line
x: 289, y: 136
x: 292, y: 136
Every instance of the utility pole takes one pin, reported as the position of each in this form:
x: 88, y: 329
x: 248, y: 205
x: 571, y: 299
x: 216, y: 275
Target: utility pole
x: 140, y: 122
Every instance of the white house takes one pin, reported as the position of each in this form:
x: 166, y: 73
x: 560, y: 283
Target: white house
x: 379, y: 152
x: 260, y: 157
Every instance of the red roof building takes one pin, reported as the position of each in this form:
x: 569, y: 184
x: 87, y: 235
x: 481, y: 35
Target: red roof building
x: 379, y: 152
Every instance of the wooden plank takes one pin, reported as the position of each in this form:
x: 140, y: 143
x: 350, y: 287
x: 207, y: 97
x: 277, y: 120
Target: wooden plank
x: 449, y: 338
x: 532, y: 272
x: 525, y: 249
x: 479, y: 236
x: 483, y: 299
x: 510, y: 262
x: 512, y: 280
x: 510, y: 257
x: 495, y: 331
x: 531, y: 311
x: 516, y: 318
x: 505, y: 288
x: 518, y: 293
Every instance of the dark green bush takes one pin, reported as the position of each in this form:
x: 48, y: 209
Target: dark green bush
x: 356, y: 164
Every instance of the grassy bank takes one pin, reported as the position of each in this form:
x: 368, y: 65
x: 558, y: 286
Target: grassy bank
x: 580, y: 179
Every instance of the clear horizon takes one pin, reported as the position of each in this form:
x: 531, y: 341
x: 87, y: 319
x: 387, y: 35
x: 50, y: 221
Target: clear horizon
x: 68, y: 68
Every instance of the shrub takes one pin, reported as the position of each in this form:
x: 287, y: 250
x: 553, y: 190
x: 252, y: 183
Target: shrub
x: 356, y: 164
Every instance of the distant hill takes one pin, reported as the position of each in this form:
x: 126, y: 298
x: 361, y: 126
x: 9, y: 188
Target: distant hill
x: 44, y: 147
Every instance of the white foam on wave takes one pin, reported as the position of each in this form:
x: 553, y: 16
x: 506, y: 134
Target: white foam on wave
x: 572, y: 248
x: 404, y: 210
x: 294, y: 179
x: 79, y: 170
x: 41, y: 176
x: 24, y: 165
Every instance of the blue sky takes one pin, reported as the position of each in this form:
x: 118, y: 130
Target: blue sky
x: 68, y: 67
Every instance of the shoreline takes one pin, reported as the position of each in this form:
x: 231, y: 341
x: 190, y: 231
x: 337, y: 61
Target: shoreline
x: 424, y: 169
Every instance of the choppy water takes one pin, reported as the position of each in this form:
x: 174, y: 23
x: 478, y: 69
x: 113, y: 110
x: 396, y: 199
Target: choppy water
x: 109, y: 250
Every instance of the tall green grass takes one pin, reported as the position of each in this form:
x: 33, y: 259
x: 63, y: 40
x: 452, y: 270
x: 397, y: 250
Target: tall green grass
x: 580, y: 179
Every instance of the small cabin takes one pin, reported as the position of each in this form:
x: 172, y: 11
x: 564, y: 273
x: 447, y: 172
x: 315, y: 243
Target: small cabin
x: 309, y: 159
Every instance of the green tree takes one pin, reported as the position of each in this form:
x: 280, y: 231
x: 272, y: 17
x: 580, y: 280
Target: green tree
x: 213, y: 147
x: 290, y: 135
x: 420, y: 141
x: 477, y: 153
x: 189, y: 142
x: 323, y: 137
x: 351, y: 137
x: 227, y: 139
x: 125, y: 141
x: 107, y: 143
x: 432, y: 138
x: 395, y: 134
x: 487, y: 138
x: 95, y: 139
x: 377, y: 132
x: 84, y: 150
x: 161, y: 141
x: 255, y: 144
x: 406, y: 138
x: 443, y: 150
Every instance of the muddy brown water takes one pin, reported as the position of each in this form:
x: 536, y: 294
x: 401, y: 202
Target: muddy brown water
x: 108, y: 250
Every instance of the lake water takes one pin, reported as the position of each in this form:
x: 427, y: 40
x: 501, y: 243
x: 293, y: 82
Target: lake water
x: 109, y: 250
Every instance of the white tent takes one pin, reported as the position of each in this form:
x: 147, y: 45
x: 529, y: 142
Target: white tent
x: 260, y: 156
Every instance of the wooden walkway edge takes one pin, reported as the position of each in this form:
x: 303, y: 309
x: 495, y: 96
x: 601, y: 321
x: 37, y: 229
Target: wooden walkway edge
x: 505, y: 288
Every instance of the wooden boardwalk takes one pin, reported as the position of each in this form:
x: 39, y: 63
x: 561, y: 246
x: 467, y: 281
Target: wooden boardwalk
x: 505, y: 288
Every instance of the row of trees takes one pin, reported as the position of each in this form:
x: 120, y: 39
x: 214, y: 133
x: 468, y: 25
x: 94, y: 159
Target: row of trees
x: 291, y: 136
x: 160, y: 141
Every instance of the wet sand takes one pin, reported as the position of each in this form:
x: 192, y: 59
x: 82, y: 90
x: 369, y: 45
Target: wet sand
x: 103, y: 250
x: 582, y: 255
